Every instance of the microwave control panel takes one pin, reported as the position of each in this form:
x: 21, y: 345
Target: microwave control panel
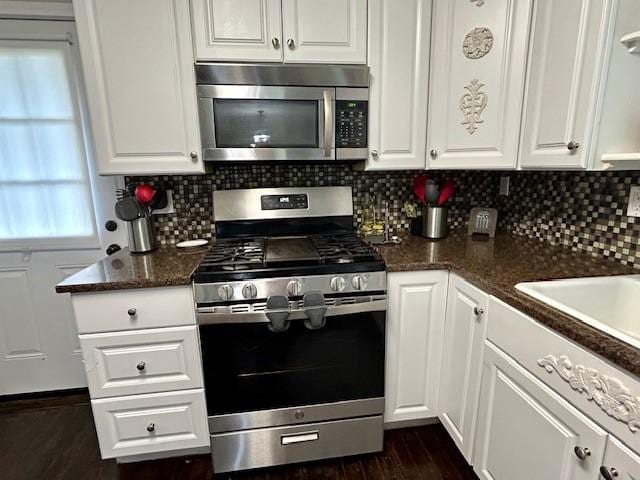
x: 351, y: 124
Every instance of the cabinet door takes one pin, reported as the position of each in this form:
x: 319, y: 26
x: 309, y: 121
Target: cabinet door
x: 330, y: 31
x: 477, y: 82
x: 414, y: 343
x: 241, y: 30
x: 399, y: 66
x: 528, y: 432
x: 464, y: 334
x: 138, y: 66
x: 619, y: 463
x: 565, y: 57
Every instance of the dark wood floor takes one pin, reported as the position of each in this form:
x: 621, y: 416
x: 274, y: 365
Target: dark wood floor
x: 46, y: 440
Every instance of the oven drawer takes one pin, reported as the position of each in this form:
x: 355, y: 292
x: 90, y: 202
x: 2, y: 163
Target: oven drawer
x: 142, y: 361
x: 134, y: 309
x: 312, y: 441
x: 152, y: 423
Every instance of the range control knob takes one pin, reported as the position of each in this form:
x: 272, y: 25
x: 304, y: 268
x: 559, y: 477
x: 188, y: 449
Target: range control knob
x: 225, y: 292
x: 337, y: 284
x: 249, y: 290
x: 294, y: 288
x: 359, y: 282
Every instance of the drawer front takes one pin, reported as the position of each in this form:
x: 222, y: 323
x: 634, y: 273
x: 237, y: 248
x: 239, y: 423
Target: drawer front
x: 134, y: 309
x: 575, y: 373
x: 151, y: 423
x: 313, y: 441
x: 142, y: 361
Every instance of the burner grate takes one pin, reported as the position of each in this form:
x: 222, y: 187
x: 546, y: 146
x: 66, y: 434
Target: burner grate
x: 342, y: 249
x: 235, y: 254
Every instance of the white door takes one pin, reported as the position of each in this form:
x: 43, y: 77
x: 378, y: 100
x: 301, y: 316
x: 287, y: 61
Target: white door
x: 528, y: 432
x: 52, y: 205
x: 478, y: 57
x: 239, y: 30
x: 137, y: 59
x: 464, y: 333
x: 566, y: 49
x: 619, y: 462
x: 415, y: 323
x: 399, y: 41
x: 329, y: 31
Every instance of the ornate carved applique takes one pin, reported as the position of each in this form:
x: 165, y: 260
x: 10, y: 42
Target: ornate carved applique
x: 478, y: 3
x: 608, y: 393
x: 477, y: 43
x: 472, y: 105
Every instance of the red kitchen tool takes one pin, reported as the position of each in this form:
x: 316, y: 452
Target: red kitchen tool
x: 418, y: 187
x: 446, y: 192
x: 144, y: 193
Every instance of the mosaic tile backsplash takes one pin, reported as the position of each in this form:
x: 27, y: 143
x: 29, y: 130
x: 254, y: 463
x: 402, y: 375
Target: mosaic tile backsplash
x: 581, y: 210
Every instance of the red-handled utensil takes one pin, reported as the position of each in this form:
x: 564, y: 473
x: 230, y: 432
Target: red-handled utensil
x: 144, y: 193
x: 446, y: 192
x: 418, y: 187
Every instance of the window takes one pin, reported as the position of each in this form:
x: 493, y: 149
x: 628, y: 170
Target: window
x: 44, y: 182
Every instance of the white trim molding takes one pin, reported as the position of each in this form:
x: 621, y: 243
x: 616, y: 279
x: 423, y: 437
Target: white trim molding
x: 36, y: 10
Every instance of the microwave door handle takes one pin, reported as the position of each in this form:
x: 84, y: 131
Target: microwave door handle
x: 329, y: 116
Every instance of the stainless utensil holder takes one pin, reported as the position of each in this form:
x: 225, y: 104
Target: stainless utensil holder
x: 141, y: 234
x: 434, y: 222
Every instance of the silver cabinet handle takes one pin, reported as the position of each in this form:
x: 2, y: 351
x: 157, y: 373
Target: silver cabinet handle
x: 300, y: 438
x: 374, y: 153
x: 433, y: 152
x: 141, y: 366
x: 582, y: 452
x: 477, y: 311
x: 573, y: 145
x: 608, y: 473
x: 151, y: 427
x: 291, y: 43
x: 132, y: 312
x: 194, y: 155
x: 275, y: 41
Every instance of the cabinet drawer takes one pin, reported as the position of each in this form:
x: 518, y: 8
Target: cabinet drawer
x: 134, y: 309
x: 151, y: 423
x: 604, y: 392
x: 142, y: 361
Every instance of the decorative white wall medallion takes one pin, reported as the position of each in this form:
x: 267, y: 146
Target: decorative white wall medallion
x: 607, y: 392
x: 477, y: 43
x: 478, y: 3
x: 472, y: 104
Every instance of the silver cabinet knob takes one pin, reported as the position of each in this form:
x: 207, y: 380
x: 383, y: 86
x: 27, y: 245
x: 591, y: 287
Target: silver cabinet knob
x: 132, y: 312
x: 573, y: 145
x: 194, y: 155
x: 225, y: 292
x: 249, y: 290
x: 337, y: 284
x: 141, y: 366
x: 477, y: 311
x: 608, y: 473
x: 374, y: 153
x: 294, y: 288
x: 359, y: 282
x: 433, y: 152
x: 582, y: 452
x: 275, y: 41
x: 291, y: 43
x: 151, y: 427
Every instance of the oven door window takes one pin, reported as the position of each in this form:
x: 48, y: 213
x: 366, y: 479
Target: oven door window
x: 247, y: 367
x: 249, y: 123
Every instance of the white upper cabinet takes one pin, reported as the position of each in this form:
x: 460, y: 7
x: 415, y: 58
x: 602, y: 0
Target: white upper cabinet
x: 415, y: 324
x: 327, y: 31
x: 399, y: 65
x: 567, y: 44
x: 477, y: 80
x: 239, y: 30
x: 138, y: 66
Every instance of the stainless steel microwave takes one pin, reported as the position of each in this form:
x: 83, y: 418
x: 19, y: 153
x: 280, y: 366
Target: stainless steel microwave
x: 283, y: 112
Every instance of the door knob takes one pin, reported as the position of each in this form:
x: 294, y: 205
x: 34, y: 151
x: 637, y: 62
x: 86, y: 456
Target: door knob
x: 291, y: 43
x: 194, y: 155
x: 132, y: 312
x: 582, y: 452
x: 573, y: 145
x: 141, y: 366
x: 433, y: 152
x: 151, y: 427
x: 275, y: 42
x: 608, y: 473
x: 477, y: 311
x: 374, y: 153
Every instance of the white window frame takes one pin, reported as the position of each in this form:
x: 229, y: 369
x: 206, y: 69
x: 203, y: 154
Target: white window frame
x: 64, y: 32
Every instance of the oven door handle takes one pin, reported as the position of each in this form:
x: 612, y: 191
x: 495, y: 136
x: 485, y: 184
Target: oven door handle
x: 329, y: 117
x: 208, y: 315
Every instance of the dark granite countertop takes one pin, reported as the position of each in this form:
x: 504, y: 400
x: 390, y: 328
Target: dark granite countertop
x: 497, y: 265
x: 166, y: 266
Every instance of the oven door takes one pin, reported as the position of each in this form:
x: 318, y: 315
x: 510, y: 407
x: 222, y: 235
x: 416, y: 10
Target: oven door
x: 257, y: 378
x: 249, y: 123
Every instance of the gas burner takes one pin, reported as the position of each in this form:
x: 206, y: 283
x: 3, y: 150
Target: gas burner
x: 234, y: 254
x: 342, y: 249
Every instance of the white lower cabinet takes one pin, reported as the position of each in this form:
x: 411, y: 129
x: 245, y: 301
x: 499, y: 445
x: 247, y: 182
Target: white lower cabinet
x: 415, y: 324
x: 464, y: 332
x: 142, y: 424
x: 619, y: 463
x: 528, y: 432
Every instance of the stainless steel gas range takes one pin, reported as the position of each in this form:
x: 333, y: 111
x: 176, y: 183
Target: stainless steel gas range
x: 291, y: 306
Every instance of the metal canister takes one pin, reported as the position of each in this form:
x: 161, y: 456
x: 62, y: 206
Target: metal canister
x: 435, y: 222
x: 141, y: 234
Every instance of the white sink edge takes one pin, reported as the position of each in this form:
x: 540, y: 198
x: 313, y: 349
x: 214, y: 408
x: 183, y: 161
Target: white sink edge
x: 528, y: 289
